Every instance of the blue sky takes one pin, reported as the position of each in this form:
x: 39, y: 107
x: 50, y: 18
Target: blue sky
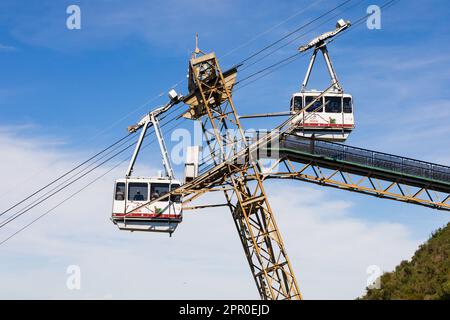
x: 64, y: 93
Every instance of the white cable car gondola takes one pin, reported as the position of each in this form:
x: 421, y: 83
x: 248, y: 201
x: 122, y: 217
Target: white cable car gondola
x: 139, y: 203
x: 329, y: 113
x: 132, y: 212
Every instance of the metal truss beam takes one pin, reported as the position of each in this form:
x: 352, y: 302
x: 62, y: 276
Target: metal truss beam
x: 339, y: 177
x: 211, y: 102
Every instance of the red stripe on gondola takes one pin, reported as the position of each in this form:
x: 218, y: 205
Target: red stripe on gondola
x: 147, y: 215
x: 333, y: 125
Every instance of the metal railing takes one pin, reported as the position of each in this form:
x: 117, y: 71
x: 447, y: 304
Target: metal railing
x: 374, y: 159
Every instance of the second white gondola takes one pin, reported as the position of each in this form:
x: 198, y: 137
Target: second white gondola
x: 328, y: 114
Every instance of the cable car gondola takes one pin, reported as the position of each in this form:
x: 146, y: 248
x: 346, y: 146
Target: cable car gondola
x: 144, y: 203
x: 327, y: 115
x: 131, y: 208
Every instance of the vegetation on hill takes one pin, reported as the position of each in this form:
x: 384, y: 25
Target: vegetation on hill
x: 425, y: 277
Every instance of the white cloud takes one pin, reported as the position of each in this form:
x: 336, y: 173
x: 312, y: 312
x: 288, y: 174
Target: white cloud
x: 7, y: 48
x: 329, y: 249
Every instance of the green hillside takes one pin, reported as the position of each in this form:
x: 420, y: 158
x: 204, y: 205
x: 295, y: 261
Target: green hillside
x: 426, y: 276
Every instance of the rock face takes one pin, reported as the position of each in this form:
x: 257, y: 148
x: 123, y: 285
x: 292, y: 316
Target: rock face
x: 425, y: 277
